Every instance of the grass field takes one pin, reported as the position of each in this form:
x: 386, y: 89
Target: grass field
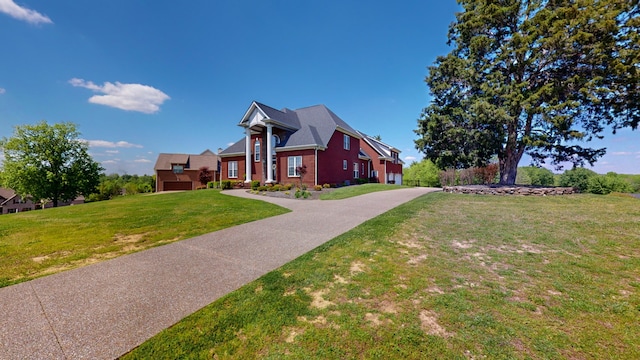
x: 43, y: 242
x: 442, y: 277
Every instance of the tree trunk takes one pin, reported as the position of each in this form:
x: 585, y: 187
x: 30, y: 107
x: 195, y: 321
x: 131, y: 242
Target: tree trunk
x: 55, y: 202
x: 508, y: 171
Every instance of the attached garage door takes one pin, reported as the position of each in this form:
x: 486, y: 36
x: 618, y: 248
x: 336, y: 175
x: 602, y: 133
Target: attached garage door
x: 398, y: 179
x: 177, y: 185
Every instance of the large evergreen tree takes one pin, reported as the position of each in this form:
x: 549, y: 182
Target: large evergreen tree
x: 48, y: 162
x: 539, y: 77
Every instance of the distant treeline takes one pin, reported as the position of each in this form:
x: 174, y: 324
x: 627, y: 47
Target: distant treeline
x: 118, y: 185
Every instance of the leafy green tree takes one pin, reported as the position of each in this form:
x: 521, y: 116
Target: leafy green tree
x: 532, y: 76
x: 539, y: 176
x: 606, y: 184
x: 577, y: 178
x: 425, y: 171
x: 48, y: 162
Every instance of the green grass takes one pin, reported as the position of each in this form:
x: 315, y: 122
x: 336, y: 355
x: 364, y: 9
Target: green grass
x: 43, y: 242
x: 442, y: 277
x: 356, y: 190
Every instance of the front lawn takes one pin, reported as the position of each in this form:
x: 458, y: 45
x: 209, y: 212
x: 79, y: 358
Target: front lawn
x: 442, y: 277
x: 43, y: 242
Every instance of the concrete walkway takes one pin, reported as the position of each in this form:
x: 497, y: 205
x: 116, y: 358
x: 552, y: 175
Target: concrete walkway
x: 102, y: 311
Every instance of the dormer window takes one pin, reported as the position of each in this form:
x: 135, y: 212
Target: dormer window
x: 177, y: 168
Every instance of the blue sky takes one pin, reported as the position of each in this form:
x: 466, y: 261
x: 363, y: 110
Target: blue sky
x: 144, y: 77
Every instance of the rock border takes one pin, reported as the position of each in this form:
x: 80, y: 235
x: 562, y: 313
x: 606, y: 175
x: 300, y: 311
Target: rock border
x: 510, y: 190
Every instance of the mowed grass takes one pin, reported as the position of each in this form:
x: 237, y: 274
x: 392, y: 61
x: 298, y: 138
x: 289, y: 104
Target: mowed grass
x: 442, y: 277
x: 356, y: 190
x: 43, y: 242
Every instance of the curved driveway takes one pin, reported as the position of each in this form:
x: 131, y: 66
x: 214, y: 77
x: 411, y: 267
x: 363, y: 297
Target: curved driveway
x: 104, y: 310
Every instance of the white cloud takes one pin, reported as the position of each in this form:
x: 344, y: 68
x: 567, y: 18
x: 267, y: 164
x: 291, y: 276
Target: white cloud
x: 409, y: 158
x: 2, y: 91
x: 111, y: 144
x: 130, y: 97
x: 21, y: 13
x: 621, y: 153
x: 142, y: 161
x: 108, y: 162
x: 112, y: 151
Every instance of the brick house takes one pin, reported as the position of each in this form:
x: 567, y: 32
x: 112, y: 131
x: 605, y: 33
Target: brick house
x: 386, y: 166
x: 277, y: 141
x: 11, y: 203
x: 182, y: 171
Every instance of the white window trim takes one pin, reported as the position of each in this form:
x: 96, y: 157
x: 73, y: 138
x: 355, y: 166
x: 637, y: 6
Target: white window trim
x: 231, y: 170
x: 295, y: 164
x: 346, y: 142
x: 256, y: 150
x: 344, y: 165
x: 356, y: 171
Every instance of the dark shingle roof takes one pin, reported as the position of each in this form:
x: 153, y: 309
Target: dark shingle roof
x: 6, y: 194
x: 194, y: 162
x: 285, y: 116
x: 310, y: 126
x: 381, y: 148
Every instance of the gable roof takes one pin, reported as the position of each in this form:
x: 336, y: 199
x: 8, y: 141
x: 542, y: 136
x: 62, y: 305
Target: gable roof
x: 6, y: 195
x: 190, y: 161
x: 311, y: 126
x: 383, y: 150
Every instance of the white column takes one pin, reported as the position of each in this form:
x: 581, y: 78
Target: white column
x: 247, y: 160
x: 268, y: 151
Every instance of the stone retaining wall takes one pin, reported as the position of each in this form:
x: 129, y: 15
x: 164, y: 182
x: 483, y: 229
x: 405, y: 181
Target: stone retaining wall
x: 509, y: 190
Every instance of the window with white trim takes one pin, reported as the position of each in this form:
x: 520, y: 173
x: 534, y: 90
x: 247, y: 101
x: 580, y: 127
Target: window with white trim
x: 356, y: 173
x: 346, y: 142
x: 292, y: 163
x: 362, y: 168
x: 233, y: 169
x: 256, y: 151
x: 344, y: 164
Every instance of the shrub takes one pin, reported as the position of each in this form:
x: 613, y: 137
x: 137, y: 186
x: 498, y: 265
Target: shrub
x: 304, y: 187
x: 537, y: 176
x: 577, y: 178
x: 277, y: 187
x: 425, y: 172
x: 306, y: 194
x: 211, y: 185
x: 272, y: 188
x: 226, y: 184
x: 488, y: 174
x: 298, y: 194
x: 255, y: 184
x: 288, y: 187
x: 448, y: 177
x: 262, y: 188
x: 326, y: 186
x: 467, y: 176
x: 317, y: 188
x: 606, y: 184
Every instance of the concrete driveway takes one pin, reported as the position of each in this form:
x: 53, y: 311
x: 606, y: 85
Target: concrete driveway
x: 102, y: 311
